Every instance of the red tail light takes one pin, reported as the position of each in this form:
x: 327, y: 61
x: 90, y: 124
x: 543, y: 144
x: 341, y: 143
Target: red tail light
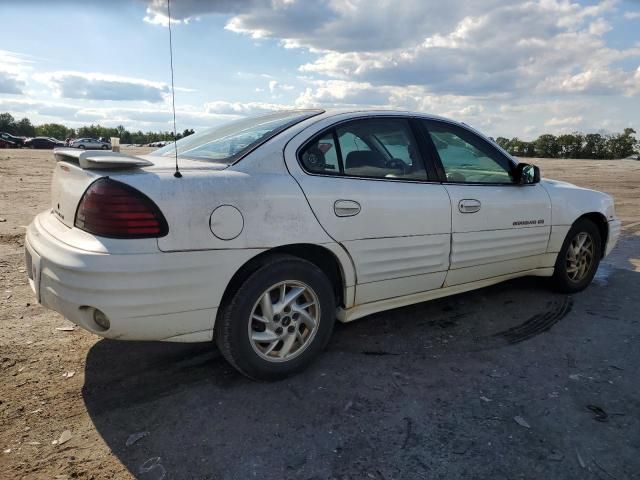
x: 113, y: 209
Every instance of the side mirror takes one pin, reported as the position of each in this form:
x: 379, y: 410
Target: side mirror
x: 527, y: 174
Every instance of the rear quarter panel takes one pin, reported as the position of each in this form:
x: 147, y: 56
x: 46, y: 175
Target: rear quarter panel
x: 274, y: 210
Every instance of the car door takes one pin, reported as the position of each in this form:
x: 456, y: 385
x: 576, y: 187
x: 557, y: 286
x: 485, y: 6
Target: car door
x: 368, y: 187
x: 499, y: 227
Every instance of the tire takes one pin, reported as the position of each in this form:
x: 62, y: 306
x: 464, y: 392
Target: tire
x: 565, y: 277
x: 104, y: 147
x: 234, y: 331
x: 81, y: 147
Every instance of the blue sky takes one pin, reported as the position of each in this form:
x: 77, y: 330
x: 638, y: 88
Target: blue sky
x: 507, y: 67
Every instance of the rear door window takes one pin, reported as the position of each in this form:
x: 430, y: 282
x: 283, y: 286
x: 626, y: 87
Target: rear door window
x: 370, y: 148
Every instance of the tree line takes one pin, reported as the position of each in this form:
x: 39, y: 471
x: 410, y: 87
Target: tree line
x: 574, y: 145
x: 24, y: 128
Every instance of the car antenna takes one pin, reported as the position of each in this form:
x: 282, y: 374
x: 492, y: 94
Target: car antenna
x: 177, y: 173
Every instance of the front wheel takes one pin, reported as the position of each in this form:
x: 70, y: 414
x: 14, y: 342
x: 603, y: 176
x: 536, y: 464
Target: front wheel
x: 81, y: 147
x: 104, y: 147
x: 278, y: 320
x: 579, y: 257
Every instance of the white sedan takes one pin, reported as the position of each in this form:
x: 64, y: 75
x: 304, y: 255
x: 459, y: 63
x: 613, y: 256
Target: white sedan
x: 90, y: 144
x: 280, y: 224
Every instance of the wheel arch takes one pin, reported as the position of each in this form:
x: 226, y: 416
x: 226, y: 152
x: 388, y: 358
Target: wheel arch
x: 603, y: 227
x: 322, y: 257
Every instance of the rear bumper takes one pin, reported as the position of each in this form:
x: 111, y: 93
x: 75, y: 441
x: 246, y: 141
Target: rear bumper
x: 146, y: 296
x: 614, y: 234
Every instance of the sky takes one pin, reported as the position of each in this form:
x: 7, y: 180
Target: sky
x: 509, y: 68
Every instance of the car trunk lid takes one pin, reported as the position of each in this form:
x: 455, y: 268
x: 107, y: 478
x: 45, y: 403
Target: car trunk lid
x: 67, y: 187
x: 77, y: 169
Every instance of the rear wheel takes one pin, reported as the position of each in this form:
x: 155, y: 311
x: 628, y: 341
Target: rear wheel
x: 579, y: 257
x: 104, y: 147
x: 278, y: 320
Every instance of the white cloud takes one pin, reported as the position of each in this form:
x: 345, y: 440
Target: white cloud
x: 134, y: 118
x: 10, y: 83
x: 243, y: 109
x: 596, y: 80
x: 342, y: 92
x: 563, y: 122
x: 183, y: 11
x: 275, y: 87
x: 99, y: 86
x: 356, y: 25
x: 14, y: 69
x: 542, y: 38
x: 599, y: 27
x: 455, y: 47
x: 632, y: 15
x: 13, y: 61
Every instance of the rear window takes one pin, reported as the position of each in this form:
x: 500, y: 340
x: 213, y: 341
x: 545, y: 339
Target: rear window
x: 231, y: 141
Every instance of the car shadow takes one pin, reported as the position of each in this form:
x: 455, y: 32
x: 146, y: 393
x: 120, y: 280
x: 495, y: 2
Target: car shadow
x: 394, y: 395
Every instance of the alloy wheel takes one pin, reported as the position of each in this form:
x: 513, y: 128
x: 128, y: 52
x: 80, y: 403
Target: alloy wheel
x: 580, y: 257
x: 284, y: 321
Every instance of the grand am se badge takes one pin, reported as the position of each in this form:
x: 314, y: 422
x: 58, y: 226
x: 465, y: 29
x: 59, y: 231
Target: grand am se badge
x: 519, y: 223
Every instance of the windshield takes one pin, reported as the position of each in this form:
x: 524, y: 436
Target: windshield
x: 229, y: 142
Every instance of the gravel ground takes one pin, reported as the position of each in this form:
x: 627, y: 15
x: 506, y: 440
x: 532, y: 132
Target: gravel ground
x: 510, y: 381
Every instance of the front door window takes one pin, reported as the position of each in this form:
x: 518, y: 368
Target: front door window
x: 466, y: 157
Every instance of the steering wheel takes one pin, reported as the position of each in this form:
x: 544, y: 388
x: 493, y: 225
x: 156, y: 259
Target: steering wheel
x: 396, y: 164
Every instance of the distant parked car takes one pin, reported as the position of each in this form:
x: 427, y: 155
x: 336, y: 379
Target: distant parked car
x: 160, y: 143
x: 6, y: 144
x: 43, y: 142
x: 90, y: 144
x: 15, y: 142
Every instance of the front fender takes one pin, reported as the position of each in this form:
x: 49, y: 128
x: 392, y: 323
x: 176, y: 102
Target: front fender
x: 569, y: 202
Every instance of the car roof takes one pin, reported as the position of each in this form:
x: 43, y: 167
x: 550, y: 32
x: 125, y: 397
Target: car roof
x: 346, y: 114
x: 329, y: 112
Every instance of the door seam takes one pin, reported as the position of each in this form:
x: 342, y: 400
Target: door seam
x: 444, y: 281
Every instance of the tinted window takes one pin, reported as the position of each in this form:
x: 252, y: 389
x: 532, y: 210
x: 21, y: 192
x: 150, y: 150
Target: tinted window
x: 380, y: 148
x: 372, y: 148
x: 350, y: 142
x: 466, y: 157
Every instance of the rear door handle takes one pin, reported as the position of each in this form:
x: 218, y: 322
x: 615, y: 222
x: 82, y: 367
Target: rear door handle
x: 469, y: 205
x: 346, y: 208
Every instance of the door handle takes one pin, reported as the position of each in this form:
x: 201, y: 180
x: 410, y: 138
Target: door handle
x: 469, y: 205
x: 346, y: 208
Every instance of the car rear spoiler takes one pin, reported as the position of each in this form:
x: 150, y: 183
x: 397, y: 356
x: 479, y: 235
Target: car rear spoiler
x: 99, y: 159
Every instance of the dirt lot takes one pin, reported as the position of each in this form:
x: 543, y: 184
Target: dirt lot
x: 511, y: 381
